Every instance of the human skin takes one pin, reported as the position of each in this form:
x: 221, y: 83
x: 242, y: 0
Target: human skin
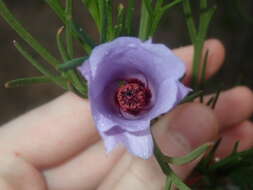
x: 57, y: 147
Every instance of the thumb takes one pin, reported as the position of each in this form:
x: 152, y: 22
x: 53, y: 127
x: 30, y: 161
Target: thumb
x: 177, y: 134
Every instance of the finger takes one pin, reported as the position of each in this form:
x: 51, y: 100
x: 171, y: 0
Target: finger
x: 234, y: 106
x: 51, y: 133
x: 177, y: 134
x: 216, y: 55
x: 242, y: 133
x: 85, y: 171
x: 17, y: 174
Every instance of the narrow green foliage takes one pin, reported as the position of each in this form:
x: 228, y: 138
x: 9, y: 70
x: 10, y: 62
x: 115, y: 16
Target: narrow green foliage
x: 189, y: 20
x: 86, y: 41
x: 119, y: 27
x: 129, y: 17
x: 168, y: 184
x: 205, y: 161
x: 148, y: 6
x: 60, y: 44
x: 57, y: 8
x: 25, y: 35
x: 104, y: 21
x: 159, y: 12
x: 216, y: 97
x: 71, y: 64
x: 160, y: 157
x: 73, y: 89
x: 203, y: 75
x: 145, y: 20
x: 210, y: 101
x: 72, y: 75
x: 192, y: 97
x: 110, y: 26
x: 235, y: 148
x: 189, y: 157
x: 205, y: 19
x: 40, y: 67
x: 26, y: 81
x: 69, y: 40
x: 178, y: 182
x: 93, y: 7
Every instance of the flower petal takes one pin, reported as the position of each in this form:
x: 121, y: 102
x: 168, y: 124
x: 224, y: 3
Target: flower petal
x: 138, y: 143
x: 182, y: 91
x: 168, y: 63
x: 84, y: 69
x: 165, y: 100
x: 106, y: 120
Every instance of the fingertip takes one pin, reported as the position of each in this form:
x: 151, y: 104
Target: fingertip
x: 241, y: 133
x: 238, y: 99
x: 216, y: 55
x: 196, y: 122
x: 190, y: 125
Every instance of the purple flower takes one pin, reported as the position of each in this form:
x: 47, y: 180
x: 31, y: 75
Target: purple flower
x: 130, y: 83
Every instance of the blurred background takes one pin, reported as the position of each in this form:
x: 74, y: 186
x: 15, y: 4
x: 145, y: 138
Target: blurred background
x: 232, y: 24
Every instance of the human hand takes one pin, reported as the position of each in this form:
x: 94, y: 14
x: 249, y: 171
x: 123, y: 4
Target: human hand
x: 57, y: 147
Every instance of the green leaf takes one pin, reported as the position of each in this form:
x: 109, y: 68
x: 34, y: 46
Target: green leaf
x: 86, y: 41
x: 40, y: 67
x: 93, y: 7
x: 25, y: 35
x: 145, y: 21
x: 119, y: 27
x: 203, y: 75
x: 60, y: 45
x: 129, y: 17
x: 57, y: 8
x: 71, y: 64
x: 192, y: 97
x: 27, y: 81
x: 189, y: 157
x: 189, y: 20
x: 216, y: 97
x: 148, y: 6
x: 69, y: 40
x: 159, y: 12
x: 104, y: 21
x: 205, y: 20
x: 179, y: 183
x: 110, y: 27
x: 83, y: 37
x: 205, y: 161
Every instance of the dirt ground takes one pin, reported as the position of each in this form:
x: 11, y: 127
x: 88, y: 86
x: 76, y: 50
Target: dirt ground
x: 229, y: 27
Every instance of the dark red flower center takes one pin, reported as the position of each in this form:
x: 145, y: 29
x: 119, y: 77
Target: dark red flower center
x: 132, y: 96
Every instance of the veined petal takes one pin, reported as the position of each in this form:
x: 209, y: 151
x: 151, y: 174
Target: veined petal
x: 139, y: 143
x: 182, y: 91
